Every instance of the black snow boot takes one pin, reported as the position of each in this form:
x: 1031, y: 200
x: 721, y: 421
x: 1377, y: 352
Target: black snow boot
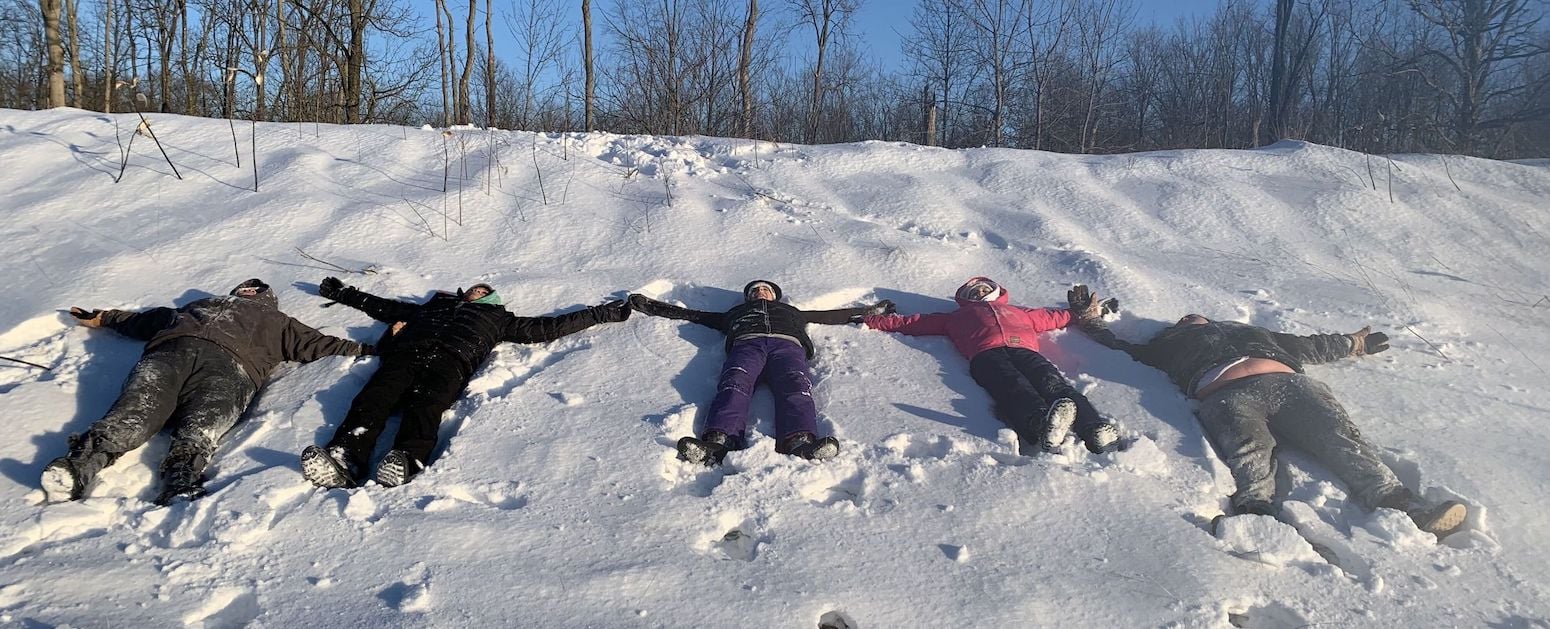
x: 67, y: 478
x: 1057, y: 424
x: 807, y: 446
x: 182, y: 473
x: 329, y: 468
x: 62, y: 482
x: 396, y: 468
x: 1101, y: 438
x: 708, y: 450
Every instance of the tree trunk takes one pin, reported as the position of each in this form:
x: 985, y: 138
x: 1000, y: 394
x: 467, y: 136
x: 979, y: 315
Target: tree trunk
x: 56, y: 53
x: 586, y: 58
x: 744, y: 84
x: 468, y: 64
x: 107, y: 59
x: 77, y: 78
x: 489, y: 68
x: 443, y: 57
x: 1278, y: 79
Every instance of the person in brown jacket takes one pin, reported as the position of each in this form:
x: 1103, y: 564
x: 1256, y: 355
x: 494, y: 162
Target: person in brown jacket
x: 203, y: 364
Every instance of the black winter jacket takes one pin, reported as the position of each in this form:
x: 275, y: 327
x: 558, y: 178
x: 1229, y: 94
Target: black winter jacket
x: 752, y: 317
x: 252, y: 328
x: 1185, y: 352
x: 466, y: 330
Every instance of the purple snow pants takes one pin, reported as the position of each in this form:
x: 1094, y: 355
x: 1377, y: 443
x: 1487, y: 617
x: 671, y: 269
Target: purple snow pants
x: 784, y: 362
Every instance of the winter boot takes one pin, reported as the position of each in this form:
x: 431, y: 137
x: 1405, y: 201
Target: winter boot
x: 708, y: 450
x: 1101, y: 438
x: 1441, y: 520
x: 329, y: 468
x: 184, y: 492
x: 1247, y: 507
x: 62, y: 482
x: 396, y: 468
x: 803, y: 445
x: 1057, y: 423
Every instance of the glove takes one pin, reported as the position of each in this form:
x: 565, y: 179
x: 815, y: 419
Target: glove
x: 1111, y: 306
x: 1085, y: 305
x: 611, y: 312
x: 88, y: 318
x: 644, y: 304
x: 368, y: 350
x: 330, y: 288
x: 1365, y: 341
x: 882, y: 307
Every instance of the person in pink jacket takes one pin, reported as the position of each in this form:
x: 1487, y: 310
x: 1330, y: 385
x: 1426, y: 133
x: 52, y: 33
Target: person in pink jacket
x: 1001, y: 342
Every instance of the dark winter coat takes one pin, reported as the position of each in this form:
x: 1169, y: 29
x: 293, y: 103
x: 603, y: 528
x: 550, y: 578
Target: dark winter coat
x: 753, y: 317
x: 1185, y: 352
x: 252, y: 328
x: 466, y: 330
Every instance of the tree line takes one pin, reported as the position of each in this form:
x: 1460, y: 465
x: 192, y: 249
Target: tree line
x: 1083, y: 76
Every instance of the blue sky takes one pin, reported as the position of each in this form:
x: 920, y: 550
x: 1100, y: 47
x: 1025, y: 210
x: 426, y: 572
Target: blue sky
x: 879, y: 23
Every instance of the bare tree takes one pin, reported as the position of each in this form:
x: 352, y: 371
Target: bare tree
x: 56, y: 54
x: 586, y: 56
x: 745, y: 67
x: 826, y: 18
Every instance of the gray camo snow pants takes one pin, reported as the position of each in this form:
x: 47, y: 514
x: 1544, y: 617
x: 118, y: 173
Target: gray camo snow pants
x: 1248, y: 420
x: 191, y: 385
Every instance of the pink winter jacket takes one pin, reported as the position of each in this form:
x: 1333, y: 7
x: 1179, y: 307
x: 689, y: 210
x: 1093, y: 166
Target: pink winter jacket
x: 978, y: 325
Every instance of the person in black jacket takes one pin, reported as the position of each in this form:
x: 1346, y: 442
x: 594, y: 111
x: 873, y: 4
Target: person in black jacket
x: 428, y: 355
x: 1253, y: 397
x: 203, y: 364
x: 766, y: 339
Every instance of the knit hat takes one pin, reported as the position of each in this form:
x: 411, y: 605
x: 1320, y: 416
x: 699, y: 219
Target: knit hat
x: 251, y: 283
x: 971, y: 291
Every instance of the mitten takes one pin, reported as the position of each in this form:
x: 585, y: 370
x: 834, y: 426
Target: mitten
x: 330, y: 288
x: 1365, y: 341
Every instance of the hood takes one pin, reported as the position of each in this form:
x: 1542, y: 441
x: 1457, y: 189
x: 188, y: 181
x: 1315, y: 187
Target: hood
x: 265, y: 295
x: 1004, y: 297
x: 779, y: 296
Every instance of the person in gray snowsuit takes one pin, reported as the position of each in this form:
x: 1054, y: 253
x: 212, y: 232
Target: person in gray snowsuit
x: 1254, y: 397
x: 203, y: 364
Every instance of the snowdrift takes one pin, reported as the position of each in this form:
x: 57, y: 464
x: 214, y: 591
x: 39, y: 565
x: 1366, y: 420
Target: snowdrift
x: 556, y: 500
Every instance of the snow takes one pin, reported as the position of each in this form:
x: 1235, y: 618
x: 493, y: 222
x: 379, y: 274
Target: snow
x: 556, y: 500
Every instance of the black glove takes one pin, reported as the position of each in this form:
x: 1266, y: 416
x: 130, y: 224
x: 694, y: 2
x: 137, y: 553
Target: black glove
x: 644, y: 304
x: 611, y: 312
x: 1084, y: 304
x: 1365, y: 341
x: 882, y: 307
x: 330, y: 288
x: 1111, y: 306
x: 368, y: 350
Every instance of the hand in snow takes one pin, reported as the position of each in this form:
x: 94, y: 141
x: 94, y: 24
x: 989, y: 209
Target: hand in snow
x: 88, y: 318
x: 882, y: 307
x: 330, y: 288
x: 1085, y: 306
x: 644, y: 304
x: 1365, y: 341
x: 1111, y: 306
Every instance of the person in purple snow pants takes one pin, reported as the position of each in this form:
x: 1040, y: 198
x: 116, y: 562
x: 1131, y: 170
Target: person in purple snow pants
x: 766, y: 340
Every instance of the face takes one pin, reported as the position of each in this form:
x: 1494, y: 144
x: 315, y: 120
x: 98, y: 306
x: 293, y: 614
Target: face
x: 979, y: 290
x: 249, y: 291
x: 762, y: 292
x: 477, y: 292
x: 1193, y: 319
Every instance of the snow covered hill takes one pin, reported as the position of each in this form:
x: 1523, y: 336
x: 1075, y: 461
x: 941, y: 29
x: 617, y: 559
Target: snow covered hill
x: 557, y: 502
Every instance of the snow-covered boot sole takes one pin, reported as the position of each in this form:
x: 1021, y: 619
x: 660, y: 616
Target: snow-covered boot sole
x: 323, y: 470
x: 1443, y: 520
x: 1104, y: 438
x: 700, y: 452
x: 396, y: 468
x: 820, y: 450
x: 1057, y: 424
x: 181, y: 494
x: 60, y: 482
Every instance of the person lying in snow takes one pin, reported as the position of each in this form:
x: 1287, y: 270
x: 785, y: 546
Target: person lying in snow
x: 203, y: 364
x: 766, y: 338
x: 426, y: 363
x: 1001, y: 342
x: 1253, y: 397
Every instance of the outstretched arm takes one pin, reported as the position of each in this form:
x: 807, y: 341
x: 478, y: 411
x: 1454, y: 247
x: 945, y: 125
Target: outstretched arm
x: 544, y: 329
x: 301, y: 343
x: 847, y: 315
x: 384, y: 310
x: 915, y: 325
x: 136, y: 325
x: 647, y: 305
x: 1322, y: 348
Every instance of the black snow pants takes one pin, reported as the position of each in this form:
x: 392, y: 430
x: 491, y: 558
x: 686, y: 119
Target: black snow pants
x: 194, y: 387
x: 1249, y: 419
x: 424, y: 384
x: 1023, y: 384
